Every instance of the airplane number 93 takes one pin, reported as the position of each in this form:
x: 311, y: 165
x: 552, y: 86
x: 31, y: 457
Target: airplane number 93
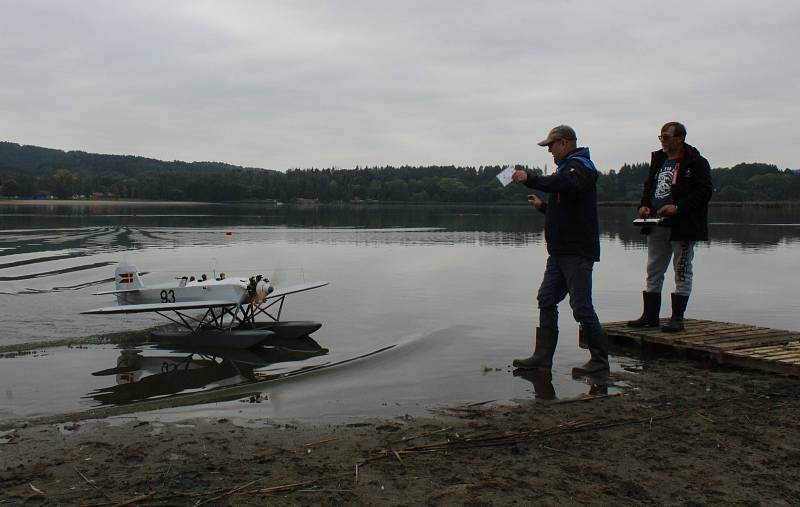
x: 167, y: 296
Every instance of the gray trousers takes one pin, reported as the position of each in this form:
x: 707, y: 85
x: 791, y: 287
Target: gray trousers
x: 660, y: 250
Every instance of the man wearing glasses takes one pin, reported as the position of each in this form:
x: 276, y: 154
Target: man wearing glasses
x: 573, y: 245
x: 677, y: 189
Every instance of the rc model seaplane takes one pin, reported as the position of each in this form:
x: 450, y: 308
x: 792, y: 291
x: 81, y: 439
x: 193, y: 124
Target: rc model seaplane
x: 232, y: 306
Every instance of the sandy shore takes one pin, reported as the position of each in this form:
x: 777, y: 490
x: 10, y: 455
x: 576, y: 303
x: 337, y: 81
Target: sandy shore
x: 683, y: 433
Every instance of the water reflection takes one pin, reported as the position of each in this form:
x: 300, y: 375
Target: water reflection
x: 143, y: 374
x: 542, y: 380
x: 128, y: 226
x: 395, y: 272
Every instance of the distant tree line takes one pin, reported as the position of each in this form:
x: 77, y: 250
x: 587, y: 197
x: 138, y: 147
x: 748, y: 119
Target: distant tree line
x: 31, y: 172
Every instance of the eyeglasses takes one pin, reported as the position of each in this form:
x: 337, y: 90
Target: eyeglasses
x: 665, y: 138
x: 554, y: 141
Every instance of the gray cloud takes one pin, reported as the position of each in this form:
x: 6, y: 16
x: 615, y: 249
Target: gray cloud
x: 302, y: 84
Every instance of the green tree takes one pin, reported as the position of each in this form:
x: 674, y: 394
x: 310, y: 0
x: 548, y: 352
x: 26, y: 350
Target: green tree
x: 9, y: 188
x: 64, y: 183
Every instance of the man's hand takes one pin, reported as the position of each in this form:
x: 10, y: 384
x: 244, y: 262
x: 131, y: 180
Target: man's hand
x: 519, y: 176
x: 534, y: 199
x: 644, y: 212
x: 667, y: 210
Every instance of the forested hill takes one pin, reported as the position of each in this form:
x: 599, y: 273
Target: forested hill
x: 30, y: 171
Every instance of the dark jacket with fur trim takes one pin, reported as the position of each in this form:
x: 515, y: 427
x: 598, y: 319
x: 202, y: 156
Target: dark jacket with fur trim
x: 691, y: 192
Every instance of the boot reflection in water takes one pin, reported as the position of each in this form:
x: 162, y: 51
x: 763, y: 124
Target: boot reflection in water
x: 542, y: 381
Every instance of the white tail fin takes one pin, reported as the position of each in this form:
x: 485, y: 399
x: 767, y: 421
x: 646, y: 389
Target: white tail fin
x: 126, y: 276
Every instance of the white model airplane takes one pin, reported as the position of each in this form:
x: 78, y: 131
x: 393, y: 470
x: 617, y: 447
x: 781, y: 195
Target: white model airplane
x: 231, y: 307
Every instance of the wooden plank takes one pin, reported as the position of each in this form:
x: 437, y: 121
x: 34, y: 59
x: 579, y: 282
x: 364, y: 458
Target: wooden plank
x: 687, y: 335
x: 736, y: 344
x: 775, y: 356
x: 767, y: 348
x: 711, y: 338
x: 758, y: 340
x: 691, y: 325
x: 752, y: 337
x: 730, y: 343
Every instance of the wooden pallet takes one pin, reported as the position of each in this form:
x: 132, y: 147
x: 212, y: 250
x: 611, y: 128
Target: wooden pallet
x: 761, y: 348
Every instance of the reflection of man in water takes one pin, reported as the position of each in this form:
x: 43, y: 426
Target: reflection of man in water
x: 573, y: 244
x: 678, y: 188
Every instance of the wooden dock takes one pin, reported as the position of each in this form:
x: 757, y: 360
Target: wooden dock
x: 760, y: 348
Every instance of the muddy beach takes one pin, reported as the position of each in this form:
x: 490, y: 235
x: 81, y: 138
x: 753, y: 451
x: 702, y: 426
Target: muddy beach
x: 681, y: 433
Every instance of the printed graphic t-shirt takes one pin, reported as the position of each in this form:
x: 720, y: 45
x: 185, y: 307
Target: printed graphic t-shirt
x: 662, y: 190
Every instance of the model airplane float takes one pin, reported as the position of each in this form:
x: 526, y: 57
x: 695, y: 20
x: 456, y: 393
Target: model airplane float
x: 232, y: 306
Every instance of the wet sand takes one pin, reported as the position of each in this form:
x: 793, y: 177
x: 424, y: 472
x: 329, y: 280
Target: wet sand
x: 683, y: 433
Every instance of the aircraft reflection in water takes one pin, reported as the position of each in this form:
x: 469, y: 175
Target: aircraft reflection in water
x: 148, y: 374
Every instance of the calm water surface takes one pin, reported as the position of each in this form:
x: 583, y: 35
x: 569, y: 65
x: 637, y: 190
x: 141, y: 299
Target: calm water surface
x: 451, y: 291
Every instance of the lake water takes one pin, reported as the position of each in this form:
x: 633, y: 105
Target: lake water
x: 451, y: 291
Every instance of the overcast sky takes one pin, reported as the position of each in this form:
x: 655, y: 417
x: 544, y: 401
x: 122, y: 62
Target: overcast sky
x: 343, y: 83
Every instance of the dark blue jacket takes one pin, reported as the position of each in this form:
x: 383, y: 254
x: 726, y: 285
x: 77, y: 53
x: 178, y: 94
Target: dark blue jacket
x: 571, y: 224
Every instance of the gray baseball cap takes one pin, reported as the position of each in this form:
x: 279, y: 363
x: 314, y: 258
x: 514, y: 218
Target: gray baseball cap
x: 559, y: 133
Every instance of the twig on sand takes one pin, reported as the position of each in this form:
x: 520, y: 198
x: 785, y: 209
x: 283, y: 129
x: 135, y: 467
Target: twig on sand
x: 320, y: 442
x: 589, y: 398
x: 408, y: 439
x: 92, y: 484
x: 228, y: 493
x: 484, y: 439
x: 282, y: 488
x: 478, y: 403
x: 553, y: 449
x: 398, y: 457
x: 705, y: 417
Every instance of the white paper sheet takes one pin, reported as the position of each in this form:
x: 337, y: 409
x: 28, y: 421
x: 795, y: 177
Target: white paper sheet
x: 505, y: 175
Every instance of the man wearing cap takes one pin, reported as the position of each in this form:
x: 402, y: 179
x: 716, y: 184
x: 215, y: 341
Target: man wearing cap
x: 573, y: 244
x: 678, y: 189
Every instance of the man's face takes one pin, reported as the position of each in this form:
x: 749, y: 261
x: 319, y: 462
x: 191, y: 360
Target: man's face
x: 670, y: 143
x: 558, y: 149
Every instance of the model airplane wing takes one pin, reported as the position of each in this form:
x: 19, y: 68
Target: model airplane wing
x: 120, y: 291
x: 159, y: 307
x: 295, y: 288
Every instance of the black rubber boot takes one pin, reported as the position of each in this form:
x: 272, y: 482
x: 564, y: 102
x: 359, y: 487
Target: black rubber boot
x: 675, y: 323
x: 652, y: 307
x: 546, y: 340
x: 598, y: 348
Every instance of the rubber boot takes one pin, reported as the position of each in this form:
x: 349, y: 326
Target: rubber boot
x: 546, y: 339
x: 675, y: 323
x: 652, y: 307
x: 598, y: 348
